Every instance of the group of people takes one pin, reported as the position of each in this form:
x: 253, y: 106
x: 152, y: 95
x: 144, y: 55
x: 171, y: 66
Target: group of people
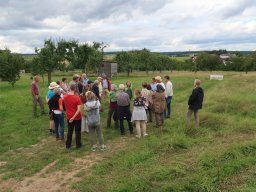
x: 81, y: 101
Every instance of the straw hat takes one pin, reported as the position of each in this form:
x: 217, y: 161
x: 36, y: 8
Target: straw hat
x: 158, y: 78
x: 53, y: 85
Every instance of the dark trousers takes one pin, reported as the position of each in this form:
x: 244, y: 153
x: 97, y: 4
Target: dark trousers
x: 77, y: 125
x: 149, y: 114
x: 115, y: 118
x: 159, y: 119
x: 168, y: 106
x: 125, y: 113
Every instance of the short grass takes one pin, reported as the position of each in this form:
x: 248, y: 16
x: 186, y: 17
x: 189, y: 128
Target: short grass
x: 218, y: 156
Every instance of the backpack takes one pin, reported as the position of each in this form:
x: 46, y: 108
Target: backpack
x: 93, y: 115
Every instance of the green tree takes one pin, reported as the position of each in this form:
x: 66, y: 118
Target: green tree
x: 10, y: 66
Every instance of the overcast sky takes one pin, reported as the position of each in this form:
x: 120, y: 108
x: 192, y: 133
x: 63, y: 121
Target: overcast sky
x: 159, y: 25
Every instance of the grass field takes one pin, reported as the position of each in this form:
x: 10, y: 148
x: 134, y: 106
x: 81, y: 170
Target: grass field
x: 218, y: 156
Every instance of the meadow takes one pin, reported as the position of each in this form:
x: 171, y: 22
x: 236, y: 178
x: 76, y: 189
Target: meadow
x: 218, y: 156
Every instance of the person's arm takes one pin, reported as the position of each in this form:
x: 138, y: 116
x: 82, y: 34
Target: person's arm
x: 61, y: 104
x: 77, y: 112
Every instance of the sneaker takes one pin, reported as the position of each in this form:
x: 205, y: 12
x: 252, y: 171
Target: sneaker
x: 103, y: 147
x: 145, y: 135
x: 94, y: 149
x: 137, y: 136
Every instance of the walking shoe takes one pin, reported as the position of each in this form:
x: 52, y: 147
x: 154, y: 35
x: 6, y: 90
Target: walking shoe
x: 137, y: 136
x: 145, y: 135
x: 94, y: 149
x: 103, y: 147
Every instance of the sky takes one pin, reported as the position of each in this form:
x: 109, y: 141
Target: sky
x: 158, y: 25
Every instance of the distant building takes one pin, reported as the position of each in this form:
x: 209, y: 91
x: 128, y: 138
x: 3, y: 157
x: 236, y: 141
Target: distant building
x: 108, y: 68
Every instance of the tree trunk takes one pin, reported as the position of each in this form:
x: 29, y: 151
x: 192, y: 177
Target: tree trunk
x: 128, y: 73
x: 49, y: 73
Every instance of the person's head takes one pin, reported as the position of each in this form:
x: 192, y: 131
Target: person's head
x: 90, y: 96
x: 153, y: 80
x: 73, y: 87
x: 84, y: 76
x: 96, y: 82
x: 64, y: 79
x: 36, y: 78
x: 99, y: 79
x: 57, y: 91
x: 129, y: 83
x: 167, y: 78
x: 76, y: 78
x: 197, y: 83
x: 158, y: 79
x: 52, y: 85
x: 58, y: 82
x: 137, y: 93
x: 159, y: 88
x: 121, y: 87
x: 149, y: 87
x: 104, y: 76
x: 113, y: 87
x: 144, y: 85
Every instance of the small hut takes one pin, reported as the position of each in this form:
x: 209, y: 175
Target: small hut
x: 108, y: 68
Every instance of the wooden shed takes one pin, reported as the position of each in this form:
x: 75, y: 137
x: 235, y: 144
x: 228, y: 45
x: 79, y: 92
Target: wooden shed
x: 108, y: 68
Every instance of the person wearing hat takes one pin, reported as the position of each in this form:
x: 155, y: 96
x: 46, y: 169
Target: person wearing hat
x: 159, y: 104
x: 49, y: 95
x: 112, y: 111
x: 36, y: 97
x: 123, y: 102
x: 159, y: 81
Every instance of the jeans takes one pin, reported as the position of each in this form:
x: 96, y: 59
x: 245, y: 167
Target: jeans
x: 77, y: 125
x: 168, y: 106
x: 59, y: 120
x: 196, y: 115
x: 92, y: 139
x: 37, y: 99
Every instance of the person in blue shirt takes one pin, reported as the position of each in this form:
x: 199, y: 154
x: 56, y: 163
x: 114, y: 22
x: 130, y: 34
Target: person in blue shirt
x: 49, y: 95
x: 153, y: 85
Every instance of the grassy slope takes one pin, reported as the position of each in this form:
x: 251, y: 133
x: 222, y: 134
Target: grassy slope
x: 218, y: 156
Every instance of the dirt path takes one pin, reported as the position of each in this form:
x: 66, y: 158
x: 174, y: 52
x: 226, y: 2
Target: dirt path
x: 54, y: 181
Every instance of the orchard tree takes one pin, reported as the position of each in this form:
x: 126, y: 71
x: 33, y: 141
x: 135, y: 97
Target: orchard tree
x: 124, y: 60
x: 55, y: 55
x: 10, y: 66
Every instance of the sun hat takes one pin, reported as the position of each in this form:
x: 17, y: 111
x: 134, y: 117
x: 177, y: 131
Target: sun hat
x: 53, y: 85
x: 158, y: 78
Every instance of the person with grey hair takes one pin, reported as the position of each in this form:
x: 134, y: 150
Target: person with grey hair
x: 123, y: 102
x: 56, y: 110
x: 195, y: 103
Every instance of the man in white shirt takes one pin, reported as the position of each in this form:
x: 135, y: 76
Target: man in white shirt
x: 168, y: 95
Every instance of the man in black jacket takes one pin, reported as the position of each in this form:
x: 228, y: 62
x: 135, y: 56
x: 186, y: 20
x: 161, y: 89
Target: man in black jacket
x: 195, y: 103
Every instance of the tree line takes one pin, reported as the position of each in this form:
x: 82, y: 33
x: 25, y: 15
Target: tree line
x: 66, y: 55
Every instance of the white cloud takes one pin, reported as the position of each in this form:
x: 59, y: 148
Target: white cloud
x: 174, y: 25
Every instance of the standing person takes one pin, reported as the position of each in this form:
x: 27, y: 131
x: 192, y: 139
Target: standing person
x: 106, y: 86
x: 158, y: 98
x: 36, y: 97
x: 75, y: 81
x: 85, y: 79
x: 92, y: 107
x: 56, y: 107
x: 123, y: 102
x: 84, y: 126
x: 64, y: 84
x: 49, y: 95
x: 159, y: 81
x: 139, y: 115
x: 100, y: 86
x: 168, y: 95
x: 195, y: 102
x: 153, y: 85
x: 147, y: 94
x: 128, y: 89
x: 95, y: 89
x: 72, y: 104
x: 112, y: 111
